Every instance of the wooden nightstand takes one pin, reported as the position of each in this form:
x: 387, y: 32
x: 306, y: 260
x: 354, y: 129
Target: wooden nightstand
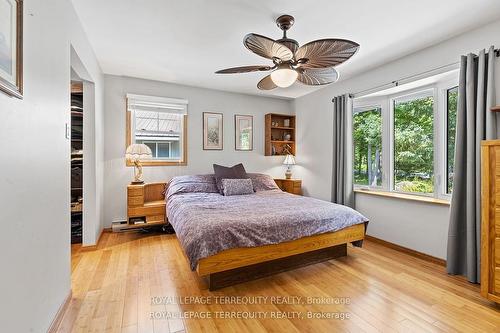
x: 293, y: 186
x: 145, y: 206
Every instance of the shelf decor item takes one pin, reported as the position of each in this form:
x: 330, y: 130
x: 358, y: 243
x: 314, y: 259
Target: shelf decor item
x: 135, y: 154
x: 213, y: 131
x: 289, y: 161
x: 243, y: 132
x: 11, y: 47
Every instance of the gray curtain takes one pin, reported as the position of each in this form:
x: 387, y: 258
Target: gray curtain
x: 342, y: 188
x: 475, y: 122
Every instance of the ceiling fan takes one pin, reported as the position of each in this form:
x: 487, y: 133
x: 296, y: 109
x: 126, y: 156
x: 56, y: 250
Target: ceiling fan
x: 311, y: 64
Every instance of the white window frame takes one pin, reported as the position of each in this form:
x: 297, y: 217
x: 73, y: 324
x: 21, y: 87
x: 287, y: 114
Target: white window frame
x: 368, y: 105
x: 443, y: 88
x: 439, y: 93
x: 412, y: 94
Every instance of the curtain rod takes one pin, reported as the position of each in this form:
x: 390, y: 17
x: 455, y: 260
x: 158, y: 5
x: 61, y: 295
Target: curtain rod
x: 411, y: 77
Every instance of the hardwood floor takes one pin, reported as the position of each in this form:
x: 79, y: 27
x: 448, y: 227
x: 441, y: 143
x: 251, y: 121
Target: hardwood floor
x: 386, y: 291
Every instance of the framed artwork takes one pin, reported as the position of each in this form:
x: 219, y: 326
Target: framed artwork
x: 243, y: 126
x: 213, y: 131
x: 11, y: 47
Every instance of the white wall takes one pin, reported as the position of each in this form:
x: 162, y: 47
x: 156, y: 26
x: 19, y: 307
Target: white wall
x: 35, y: 169
x: 422, y: 227
x: 117, y: 176
x: 412, y: 224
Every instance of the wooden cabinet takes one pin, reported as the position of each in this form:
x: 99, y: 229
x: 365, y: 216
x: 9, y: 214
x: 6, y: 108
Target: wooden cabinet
x: 490, y: 213
x: 280, y: 134
x: 146, y: 206
x: 293, y: 186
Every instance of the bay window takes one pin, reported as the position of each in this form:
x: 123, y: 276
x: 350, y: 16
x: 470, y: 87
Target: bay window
x: 404, y: 139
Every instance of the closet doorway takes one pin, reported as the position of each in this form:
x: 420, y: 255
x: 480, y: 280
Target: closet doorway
x: 85, y: 155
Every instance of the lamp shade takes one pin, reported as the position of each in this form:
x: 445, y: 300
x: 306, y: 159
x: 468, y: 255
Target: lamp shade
x: 138, y: 151
x: 284, y: 76
x: 289, y: 160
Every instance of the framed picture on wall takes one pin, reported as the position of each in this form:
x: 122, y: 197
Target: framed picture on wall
x: 11, y: 47
x: 213, y: 131
x: 243, y: 132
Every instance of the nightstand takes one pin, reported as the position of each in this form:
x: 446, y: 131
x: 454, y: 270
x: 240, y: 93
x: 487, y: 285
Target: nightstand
x: 293, y: 186
x: 146, y: 206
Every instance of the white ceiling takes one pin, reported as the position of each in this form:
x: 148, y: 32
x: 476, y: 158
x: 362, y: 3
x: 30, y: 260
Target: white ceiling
x: 186, y: 41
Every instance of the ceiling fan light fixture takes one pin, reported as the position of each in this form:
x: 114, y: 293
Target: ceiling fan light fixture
x: 284, y: 76
x: 312, y: 64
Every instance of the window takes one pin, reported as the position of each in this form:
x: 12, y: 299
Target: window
x: 159, y: 149
x: 414, y: 143
x: 451, y: 118
x: 160, y: 124
x: 367, y: 137
x: 404, y: 137
x: 160, y: 131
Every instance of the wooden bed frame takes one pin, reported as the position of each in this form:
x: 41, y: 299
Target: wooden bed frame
x: 243, y: 264
x: 238, y: 265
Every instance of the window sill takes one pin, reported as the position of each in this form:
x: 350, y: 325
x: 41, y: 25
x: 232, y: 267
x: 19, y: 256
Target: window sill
x: 157, y: 163
x: 404, y: 196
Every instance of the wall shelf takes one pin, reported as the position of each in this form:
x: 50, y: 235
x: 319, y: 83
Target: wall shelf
x: 275, y: 133
x: 282, y: 128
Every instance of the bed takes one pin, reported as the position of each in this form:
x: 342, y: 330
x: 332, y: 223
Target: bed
x: 232, y: 239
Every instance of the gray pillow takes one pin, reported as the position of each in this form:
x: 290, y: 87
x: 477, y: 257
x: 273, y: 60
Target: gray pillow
x: 235, y: 172
x: 262, y: 182
x: 237, y: 186
x: 190, y: 184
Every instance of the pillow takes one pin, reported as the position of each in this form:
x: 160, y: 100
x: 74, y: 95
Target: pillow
x: 191, y: 184
x: 262, y: 182
x: 237, y: 186
x: 235, y: 172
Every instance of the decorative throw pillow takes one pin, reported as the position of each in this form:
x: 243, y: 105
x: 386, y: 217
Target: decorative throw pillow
x: 237, y: 186
x: 262, y: 182
x: 235, y: 172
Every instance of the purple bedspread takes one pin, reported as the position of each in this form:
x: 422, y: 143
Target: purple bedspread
x: 207, y: 222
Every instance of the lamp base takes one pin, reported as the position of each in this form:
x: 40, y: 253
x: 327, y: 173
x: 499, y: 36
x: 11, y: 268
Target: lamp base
x: 137, y: 182
x: 288, y: 174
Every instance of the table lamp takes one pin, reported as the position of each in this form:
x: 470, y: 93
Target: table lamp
x: 135, y: 153
x: 289, y: 161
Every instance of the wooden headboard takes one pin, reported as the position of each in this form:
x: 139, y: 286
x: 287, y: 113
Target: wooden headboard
x: 154, y: 191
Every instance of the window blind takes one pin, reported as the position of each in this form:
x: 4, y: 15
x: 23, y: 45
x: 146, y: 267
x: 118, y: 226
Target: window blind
x: 156, y: 104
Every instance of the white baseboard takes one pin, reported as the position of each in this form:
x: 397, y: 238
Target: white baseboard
x: 60, y: 314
